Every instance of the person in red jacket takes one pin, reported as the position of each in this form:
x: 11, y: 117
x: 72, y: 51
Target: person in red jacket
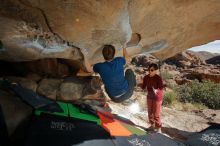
x: 154, y: 86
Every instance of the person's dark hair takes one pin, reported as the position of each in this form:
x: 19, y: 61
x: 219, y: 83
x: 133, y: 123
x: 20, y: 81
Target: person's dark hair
x: 108, y: 52
x: 154, y: 65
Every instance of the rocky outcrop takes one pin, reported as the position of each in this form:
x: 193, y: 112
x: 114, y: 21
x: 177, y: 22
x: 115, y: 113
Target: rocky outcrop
x: 73, y: 88
x: 182, y: 68
x: 47, y: 67
x: 66, y: 89
x: 144, y: 60
x: 204, y: 55
x: 33, y: 29
x: 215, y: 60
x: 210, y: 75
x: 185, y: 59
x: 193, y: 66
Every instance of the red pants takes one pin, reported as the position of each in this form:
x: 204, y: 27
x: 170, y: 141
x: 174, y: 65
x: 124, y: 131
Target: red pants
x: 154, y: 110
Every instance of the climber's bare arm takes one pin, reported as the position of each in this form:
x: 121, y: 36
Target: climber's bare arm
x: 88, y: 66
x: 125, y: 54
x: 88, y: 71
x: 83, y: 73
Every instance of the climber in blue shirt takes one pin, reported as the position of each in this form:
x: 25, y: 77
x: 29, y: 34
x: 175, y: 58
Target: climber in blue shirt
x: 118, y: 85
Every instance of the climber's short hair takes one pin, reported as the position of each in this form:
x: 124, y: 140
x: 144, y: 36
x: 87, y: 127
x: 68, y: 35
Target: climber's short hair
x: 108, y: 52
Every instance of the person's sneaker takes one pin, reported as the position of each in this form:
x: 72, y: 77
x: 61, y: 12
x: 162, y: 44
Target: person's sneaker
x: 151, y: 128
x: 158, y: 130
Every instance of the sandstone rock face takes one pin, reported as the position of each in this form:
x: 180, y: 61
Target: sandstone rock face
x: 51, y: 67
x: 36, y: 29
x: 73, y: 88
x: 70, y: 91
x: 25, y: 83
x: 47, y: 67
x: 49, y: 88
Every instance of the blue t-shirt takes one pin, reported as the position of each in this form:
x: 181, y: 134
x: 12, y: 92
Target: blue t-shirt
x: 112, y: 74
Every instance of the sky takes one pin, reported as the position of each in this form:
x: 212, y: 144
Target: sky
x: 213, y: 47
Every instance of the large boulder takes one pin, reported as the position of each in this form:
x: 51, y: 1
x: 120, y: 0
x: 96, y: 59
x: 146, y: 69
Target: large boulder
x: 71, y: 91
x: 80, y: 88
x: 34, y: 29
